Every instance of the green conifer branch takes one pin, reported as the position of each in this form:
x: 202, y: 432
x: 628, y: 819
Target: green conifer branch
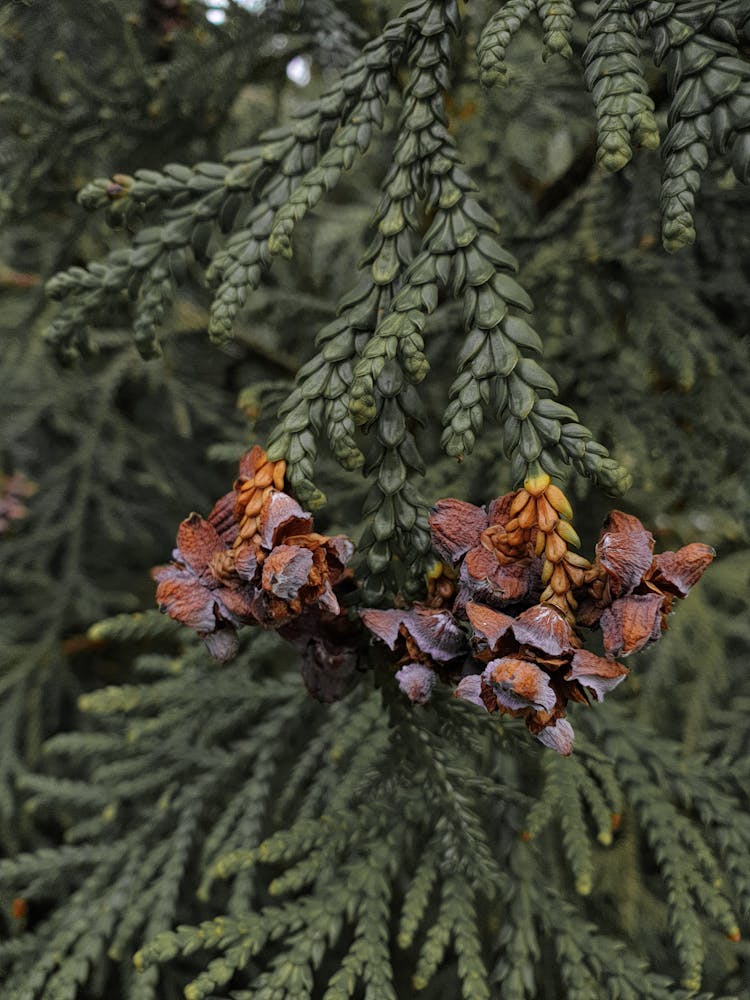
x: 186, y: 790
x: 557, y: 18
x: 392, y: 359
x: 706, y: 75
x: 615, y: 78
x: 518, y: 948
x: 417, y: 895
x: 351, y: 839
x: 588, y: 959
x: 686, y: 862
x: 710, y: 88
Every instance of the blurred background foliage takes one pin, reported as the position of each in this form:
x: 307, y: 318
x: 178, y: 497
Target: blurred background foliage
x: 100, y: 460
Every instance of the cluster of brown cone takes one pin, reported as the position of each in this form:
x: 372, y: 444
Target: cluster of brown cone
x: 504, y: 610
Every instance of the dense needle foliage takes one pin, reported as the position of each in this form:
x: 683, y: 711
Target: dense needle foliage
x: 322, y: 227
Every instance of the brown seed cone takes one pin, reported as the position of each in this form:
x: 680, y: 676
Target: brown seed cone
x: 254, y: 503
x: 574, y: 559
x: 519, y: 502
x: 568, y: 533
x: 264, y: 476
x: 559, y: 501
x: 559, y: 580
x: 248, y: 528
x: 555, y: 548
x: 257, y: 477
x: 528, y: 516
x: 574, y: 573
x: 546, y: 514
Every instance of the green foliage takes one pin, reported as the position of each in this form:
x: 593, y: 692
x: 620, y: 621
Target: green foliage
x: 436, y: 818
x: 173, y: 828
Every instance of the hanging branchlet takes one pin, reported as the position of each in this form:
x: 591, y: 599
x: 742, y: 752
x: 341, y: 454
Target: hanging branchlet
x: 373, y: 355
x: 496, y: 36
x: 614, y: 75
x: 383, y: 399
x: 322, y: 393
x: 320, y: 399
x: 320, y: 384
x: 708, y: 80
x: 249, y: 190
x: 709, y: 84
x: 348, y: 143
x: 490, y: 351
x: 557, y: 18
x: 538, y: 432
x: 341, y: 126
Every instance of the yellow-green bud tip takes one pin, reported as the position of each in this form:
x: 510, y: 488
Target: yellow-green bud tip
x: 583, y: 886
x: 537, y: 484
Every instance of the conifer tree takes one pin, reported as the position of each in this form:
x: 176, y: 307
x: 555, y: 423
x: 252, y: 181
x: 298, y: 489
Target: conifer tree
x: 378, y: 309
